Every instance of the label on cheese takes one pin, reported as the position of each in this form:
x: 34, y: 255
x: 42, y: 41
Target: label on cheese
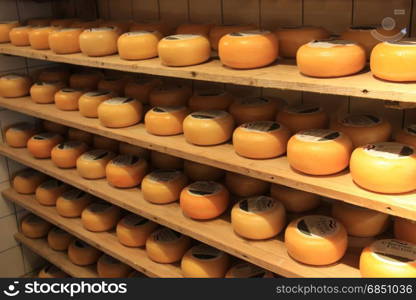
x: 262, y: 126
x: 164, y: 175
x: 364, y: 120
x: 70, y: 90
x: 411, y: 129
x: 181, y: 37
x: 164, y: 110
x: 51, y: 184
x: 204, y: 188
x: 119, y: 100
x: 99, y: 207
x: 205, y: 252
x: 44, y: 136
x: 97, y: 93
x: 247, y: 270
x: 249, y: 33
x: 389, y: 150
x: 330, y: 43
x: 73, y: 194
x: 135, y: 221
x: 257, y: 204
x: 303, y: 109
x: 318, y: 135
x: 318, y: 226
x: 394, y: 251
x: 209, y: 114
x: 95, y: 154
x: 69, y: 145
x: 125, y: 160
x: 166, y: 235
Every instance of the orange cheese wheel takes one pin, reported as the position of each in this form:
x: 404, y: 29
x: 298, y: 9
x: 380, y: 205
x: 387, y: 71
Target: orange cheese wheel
x: 244, y: 186
x: 39, y: 22
x: 138, y: 45
x: 295, y: 201
x: 72, y: 202
x: 199, y: 172
x: 67, y: 99
x: 168, y: 96
x: 65, y: 155
x: 63, y: 22
x: 406, y: 135
x: 5, y: 28
x: 292, y: 38
x: 405, y: 230
x: 319, y: 151
x: 102, y: 142
x: 92, y: 164
x: 82, y: 254
x: 34, y: 227
x: 162, y: 28
x: 165, y: 120
x: 65, y: 40
x: 80, y: 135
x: 248, y: 49
x: 17, y: 135
x: 163, y: 186
x: 198, y: 29
x: 13, y: 86
x: 19, y: 36
x: 100, y: 216
x: 210, y: 100
x: 120, y: 112
x: 126, y: 148
x: 140, y: 89
x: 54, y: 127
x: 247, y: 270
x: 59, y: 239
x: 254, y: 109
x: 49, y: 191
x: 203, y: 261
x: 384, y: 167
x: 330, y: 58
x: 303, y: 117
x: 133, y: 230
x: 41, y: 145
x: 184, y: 50
x: 109, y: 267
x: 126, y: 171
x: 39, y: 37
x: 115, y: 84
x: 260, y: 139
x: 218, y: 31
x: 85, y: 80
x: 165, y: 161
x: 166, y: 246
x: 54, y: 74
x: 88, y: 103
x: 51, y: 271
x: 44, y: 92
x: 204, y: 200
x: 316, y: 240
x: 100, y: 41
x: 210, y: 127
x: 389, y: 258
x: 27, y: 181
x: 258, y: 218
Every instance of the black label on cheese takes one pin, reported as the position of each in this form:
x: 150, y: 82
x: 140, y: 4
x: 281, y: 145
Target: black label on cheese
x: 51, y: 184
x: 318, y: 135
x: 100, y: 207
x: 303, y: 109
x: 317, y: 226
x: 95, y: 154
x: 163, y: 110
x: 257, y: 204
x: 394, y: 251
x: 262, y: 126
x: 164, y: 175
x: 209, y: 114
x: 125, y: 160
x: 389, y: 150
x: 135, y: 220
x: 97, y: 93
x: 205, y: 252
x: 204, y: 188
x: 166, y: 235
x: 69, y: 145
x: 44, y: 136
x: 119, y: 100
x: 70, y: 90
x: 73, y: 194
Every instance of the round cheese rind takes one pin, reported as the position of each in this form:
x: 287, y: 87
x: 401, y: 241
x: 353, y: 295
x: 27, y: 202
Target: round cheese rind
x: 86, y: 80
x: 92, y: 164
x: 88, y: 103
x: 49, y: 191
x: 14, y: 86
x: 120, y: 112
x: 41, y: 145
x: 245, y: 186
x: 67, y: 99
x: 100, y: 41
x: 133, y: 230
x: 49, y: 126
x: 72, y: 202
x: 140, y: 89
x: 406, y: 135
x: 102, y: 142
x: 165, y: 121
x: 51, y: 271
x: 165, y: 161
x: 82, y: 254
x: 295, y: 201
x: 210, y: 100
x: 100, y: 216
x: 163, y: 186
x: 59, y: 239
x: 138, y: 45
x: 27, y: 181
x: 39, y: 37
x: 199, y: 172
x: 80, y: 135
x: 303, y: 117
x: 65, y: 155
x: 126, y: 148
x: 19, y: 36
x: 44, y: 92
x: 252, y: 109
x: 126, y: 171
x: 34, y: 227
x: 109, y: 267
x: 247, y: 270
x: 65, y: 40
x: 218, y: 31
x: 170, y: 96
x: 405, y: 230
x: 17, y: 135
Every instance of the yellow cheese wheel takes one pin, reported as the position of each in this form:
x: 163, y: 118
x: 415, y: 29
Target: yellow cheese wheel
x: 100, y: 41
x: 67, y: 99
x: 140, y: 88
x: 126, y: 171
x: 115, y: 84
x: 316, y: 240
x: 5, y: 28
x: 72, y: 202
x: 54, y: 127
x: 138, y: 45
x: 44, y: 92
x: 49, y: 191
x: 210, y: 127
x: 65, y: 155
x: 384, y: 167
x: 126, y: 148
x: 319, y: 151
x: 13, y: 86
x: 87, y: 80
x: 170, y: 95
x: 210, y: 100
x: 102, y: 142
x: 120, y: 112
x: 204, y: 200
x: 54, y: 74
x: 63, y: 22
x: 405, y: 230
x: 295, y: 201
x: 203, y: 261
x: 407, y: 135
x: 218, y: 31
x: 133, y: 230
x: 80, y: 135
x: 109, y: 267
x: 163, y: 186
x: 261, y: 139
x: 88, y: 103
x: 389, y: 258
x: 34, y: 227
x: 51, y: 271
x: 41, y: 145
x: 92, y: 164
x: 248, y: 49
x: 184, y: 50
x: 258, y: 218
x: 254, y: 109
x: 303, y: 117
x: 100, y: 216
x: 39, y: 37
x: 247, y: 270
x: 39, y: 22
x: 161, y: 27
x: 199, y: 172
x: 330, y: 58
x: 165, y: 120
x: 166, y: 246
x: 82, y: 254
x: 19, y: 36
x: 17, y: 135
x: 244, y: 186
x: 65, y: 40
x: 198, y: 29
x: 59, y: 239
x: 27, y: 181
x: 165, y: 161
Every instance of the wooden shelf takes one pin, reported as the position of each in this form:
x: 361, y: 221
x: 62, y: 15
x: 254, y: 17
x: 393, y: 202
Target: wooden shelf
x: 58, y: 258
x: 270, y: 254
x: 283, y: 75
x: 104, y: 241
x: 339, y: 186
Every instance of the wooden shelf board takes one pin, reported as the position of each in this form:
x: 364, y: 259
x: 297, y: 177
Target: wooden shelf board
x: 283, y: 75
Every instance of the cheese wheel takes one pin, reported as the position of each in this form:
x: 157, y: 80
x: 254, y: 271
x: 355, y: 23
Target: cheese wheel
x: 133, y: 230
x: 5, y: 28
x: 303, y: 117
x: 171, y: 95
x: 165, y: 161
x: 199, y: 172
x: 197, y: 29
x: 247, y: 270
x: 184, y: 50
x: 162, y: 28
x: 44, y: 92
x: 109, y: 267
x: 140, y: 89
x: 203, y: 261
x: 319, y: 151
x: 120, y: 112
x: 17, y: 135
x: 254, y: 109
x: 100, y: 216
x: 393, y: 163
x: 292, y: 38
x: 389, y: 258
x: 65, y: 23
x: 209, y: 127
x: 51, y: 271
x: 100, y: 41
x: 294, y: 201
x: 165, y: 120
x: 258, y: 218
x: 166, y: 246
x: 316, y: 240
x: 85, y: 80
x: 54, y: 127
x: 27, y: 181
x: 13, y: 86
x: 80, y: 135
x: 92, y: 164
x: 65, y: 155
x: 204, y: 200
x: 210, y: 100
x: 115, y: 84
x: 248, y: 49
x: 405, y: 230
x: 67, y: 99
x: 39, y: 22
x: 126, y: 148
x: 138, y: 45
x: 59, y: 239
x: 65, y: 40
x: 218, y: 31
x: 88, y: 103
x: 244, y: 186
x: 82, y: 254
x: 102, y: 142
x: 72, y: 202
x: 19, y: 36
x: 34, y: 227
x: 49, y: 191
x: 54, y: 74
x: 330, y: 58
x: 163, y: 186
x: 261, y: 139
x: 126, y: 171
x: 39, y: 37
x: 41, y: 145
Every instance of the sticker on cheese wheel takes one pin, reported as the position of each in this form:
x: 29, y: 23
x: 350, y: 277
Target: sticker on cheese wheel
x: 126, y: 171
x: 405, y: 230
x: 198, y: 29
x: 19, y: 36
x: 52, y: 271
x: 44, y: 92
x: 39, y: 37
x: 14, y: 86
x: 247, y: 270
x: 49, y: 126
x: 27, y: 181
x: 5, y: 28
x: 17, y: 135
x: 92, y: 164
x: 80, y: 135
x: 120, y: 112
x: 49, y: 191
x: 389, y: 258
x: 166, y: 246
x: 163, y: 186
x: 140, y: 89
x: 65, y: 155
x: 72, y: 202
x: 34, y: 227
x: 165, y: 121
x: 253, y: 109
x: 244, y: 186
x: 248, y: 49
x: 303, y: 117
x: 295, y: 201
x: 82, y: 254
x: 88, y: 103
x: 204, y: 200
x: 184, y: 50
x: 203, y: 261
x: 260, y: 139
x: 330, y: 58
x: 210, y: 100
x: 406, y: 135
x: 319, y: 151
x: 109, y: 267
x: 59, y: 239
x: 41, y: 145
x: 162, y: 28
x: 165, y: 161
x: 170, y: 96
x: 99, y: 41
x: 394, y: 164
x: 54, y: 74
x: 218, y: 31
x: 210, y: 127
x: 138, y: 45
x: 199, y: 172
x: 86, y: 80
x: 115, y: 84
x: 316, y: 240
x: 258, y: 218
x: 100, y: 216
x: 126, y: 148
x: 133, y: 230
x: 101, y: 142
x: 67, y: 98
x: 65, y: 40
